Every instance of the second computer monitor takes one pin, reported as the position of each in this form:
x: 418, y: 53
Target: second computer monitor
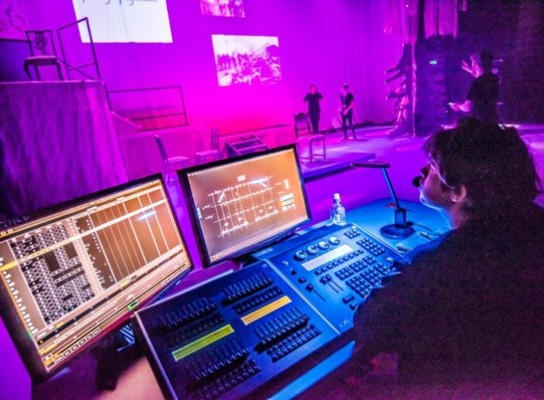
x: 241, y: 204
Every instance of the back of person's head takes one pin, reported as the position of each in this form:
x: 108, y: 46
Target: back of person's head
x: 345, y: 86
x: 486, y: 60
x: 492, y: 162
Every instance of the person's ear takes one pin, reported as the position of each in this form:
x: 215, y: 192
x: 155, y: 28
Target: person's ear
x: 458, y: 195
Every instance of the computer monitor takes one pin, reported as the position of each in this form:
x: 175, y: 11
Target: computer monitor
x: 241, y: 204
x: 76, y: 271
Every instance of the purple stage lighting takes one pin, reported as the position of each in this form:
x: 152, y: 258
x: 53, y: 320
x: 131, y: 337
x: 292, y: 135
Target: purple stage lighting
x: 249, y: 60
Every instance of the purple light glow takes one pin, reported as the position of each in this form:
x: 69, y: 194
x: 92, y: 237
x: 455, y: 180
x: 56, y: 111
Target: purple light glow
x: 315, y: 48
x: 248, y: 60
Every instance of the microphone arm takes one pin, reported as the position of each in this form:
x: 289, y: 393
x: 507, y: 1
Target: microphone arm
x: 401, y: 227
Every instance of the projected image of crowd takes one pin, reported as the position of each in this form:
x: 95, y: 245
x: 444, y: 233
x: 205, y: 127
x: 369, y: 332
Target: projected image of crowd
x: 247, y: 60
x: 223, y: 8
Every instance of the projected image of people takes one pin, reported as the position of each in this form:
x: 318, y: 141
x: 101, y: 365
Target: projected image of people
x: 223, y: 8
x: 248, y: 60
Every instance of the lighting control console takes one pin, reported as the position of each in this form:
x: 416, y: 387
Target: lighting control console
x: 246, y: 334
x: 337, y: 270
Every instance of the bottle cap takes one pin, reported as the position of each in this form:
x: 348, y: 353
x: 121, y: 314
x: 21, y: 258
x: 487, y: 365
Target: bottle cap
x: 336, y: 196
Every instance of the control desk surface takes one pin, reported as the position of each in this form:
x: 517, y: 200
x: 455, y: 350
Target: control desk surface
x: 337, y: 269
x: 245, y: 334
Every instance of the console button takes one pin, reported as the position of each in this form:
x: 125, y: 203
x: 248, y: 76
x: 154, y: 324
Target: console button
x: 312, y: 249
x: 323, y: 245
x: 349, y: 298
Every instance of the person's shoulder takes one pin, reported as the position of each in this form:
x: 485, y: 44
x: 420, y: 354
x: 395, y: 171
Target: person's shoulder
x: 487, y: 77
x: 495, y: 78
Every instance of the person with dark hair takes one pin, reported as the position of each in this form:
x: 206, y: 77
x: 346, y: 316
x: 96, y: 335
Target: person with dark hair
x: 481, y: 101
x: 346, y: 110
x: 313, y: 99
x: 466, y: 310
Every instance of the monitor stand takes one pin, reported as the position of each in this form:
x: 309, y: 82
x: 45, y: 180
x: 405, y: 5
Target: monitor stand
x: 246, y: 260
x: 113, y: 355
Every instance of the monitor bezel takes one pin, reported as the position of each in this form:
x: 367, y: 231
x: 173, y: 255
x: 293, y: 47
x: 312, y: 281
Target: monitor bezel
x: 183, y: 176
x: 17, y: 330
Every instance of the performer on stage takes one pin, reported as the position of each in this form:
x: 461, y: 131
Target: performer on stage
x: 481, y: 101
x: 313, y: 99
x: 346, y: 110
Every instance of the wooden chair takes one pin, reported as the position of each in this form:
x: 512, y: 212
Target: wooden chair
x: 170, y: 164
x: 42, y: 53
x: 315, y: 141
x: 205, y: 156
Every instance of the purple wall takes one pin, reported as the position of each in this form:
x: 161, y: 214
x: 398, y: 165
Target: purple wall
x: 325, y: 42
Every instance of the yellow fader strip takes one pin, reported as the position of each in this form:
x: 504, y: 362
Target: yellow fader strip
x: 204, y: 341
x: 264, y: 311
x: 8, y: 266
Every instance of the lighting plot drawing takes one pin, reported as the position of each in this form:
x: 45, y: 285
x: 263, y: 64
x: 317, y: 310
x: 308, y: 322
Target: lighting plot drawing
x: 242, y: 206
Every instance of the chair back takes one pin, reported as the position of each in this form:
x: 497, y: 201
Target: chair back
x: 162, y: 149
x: 41, y: 42
x: 302, y: 124
x: 215, y: 138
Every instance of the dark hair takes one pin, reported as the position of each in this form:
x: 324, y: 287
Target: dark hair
x: 345, y: 86
x: 492, y: 162
x: 486, y: 60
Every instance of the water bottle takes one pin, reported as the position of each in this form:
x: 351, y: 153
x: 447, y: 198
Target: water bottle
x: 338, y: 212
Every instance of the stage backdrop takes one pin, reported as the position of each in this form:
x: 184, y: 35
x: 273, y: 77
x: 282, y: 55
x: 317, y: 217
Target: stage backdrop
x: 296, y: 43
x: 57, y: 143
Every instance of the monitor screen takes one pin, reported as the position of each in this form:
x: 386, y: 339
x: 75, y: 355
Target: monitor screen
x: 241, y: 204
x: 76, y: 271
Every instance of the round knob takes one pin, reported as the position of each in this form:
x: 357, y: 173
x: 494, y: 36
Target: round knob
x: 334, y: 240
x: 312, y: 249
x: 301, y: 255
x: 323, y: 245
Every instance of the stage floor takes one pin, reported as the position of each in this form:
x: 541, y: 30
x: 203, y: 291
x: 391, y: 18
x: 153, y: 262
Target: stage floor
x: 374, y: 141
